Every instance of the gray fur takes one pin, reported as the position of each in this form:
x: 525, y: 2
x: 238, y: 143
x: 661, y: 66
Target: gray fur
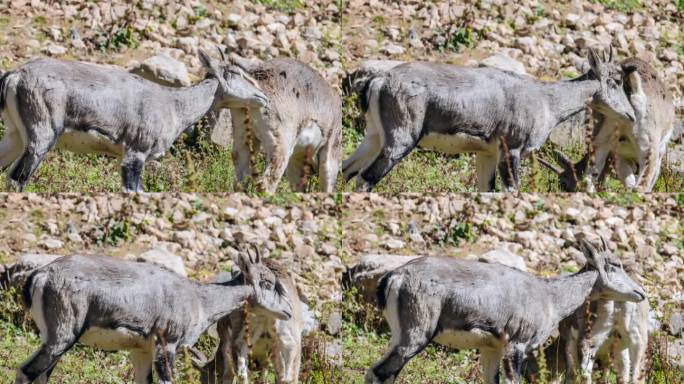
x: 94, y: 109
x: 499, y: 115
x: 499, y: 310
x: 138, y: 306
x: 301, y: 128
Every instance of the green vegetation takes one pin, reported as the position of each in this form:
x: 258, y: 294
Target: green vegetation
x: 462, y: 37
x: 621, y: 5
x: 282, y: 5
x: 124, y: 36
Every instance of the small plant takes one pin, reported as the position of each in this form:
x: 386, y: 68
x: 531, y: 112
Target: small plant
x: 200, y: 12
x: 124, y: 36
x: 461, y: 37
x: 463, y: 231
x: 114, y: 232
x: 40, y: 21
x: 680, y: 5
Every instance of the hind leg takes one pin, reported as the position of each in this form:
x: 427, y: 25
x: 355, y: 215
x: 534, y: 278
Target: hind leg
x: 386, y: 370
x: 400, y: 139
x: 30, y: 160
x: 11, y: 145
x: 329, y: 164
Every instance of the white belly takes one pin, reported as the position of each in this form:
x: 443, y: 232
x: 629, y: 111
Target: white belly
x: 88, y: 142
x: 473, y: 339
x: 453, y: 144
x: 113, y: 339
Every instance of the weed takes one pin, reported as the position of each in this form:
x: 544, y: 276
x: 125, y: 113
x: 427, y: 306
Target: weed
x: 124, y: 36
x: 462, y: 37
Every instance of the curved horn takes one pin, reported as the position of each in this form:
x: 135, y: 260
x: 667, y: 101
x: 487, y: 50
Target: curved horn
x: 610, y: 53
x: 604, y: 244
x: 562, y: 160
x: 550, y: 166
x: 257, y: 255
x: 221, y: 54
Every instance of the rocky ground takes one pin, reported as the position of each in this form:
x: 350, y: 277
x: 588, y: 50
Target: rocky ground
x: 548, y: 37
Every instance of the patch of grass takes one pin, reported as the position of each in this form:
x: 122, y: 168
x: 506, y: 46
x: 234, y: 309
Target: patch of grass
x: 282, y: 5
x: 621, y: 5
x: 378, y: 19
x: 40, y: 21
x: 680, y: 5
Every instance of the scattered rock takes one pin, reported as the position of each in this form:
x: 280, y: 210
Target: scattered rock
x: 54, y: 50
x: 676, y: 324
x: 221, y: 127
x: 50, y: 243
x: 505, y: 257
x: 676, y: 353
x: 334, y: 323
x: 392, y: 49
x: 160, y: 256
x: 163, y: 69
x: 505, y: 63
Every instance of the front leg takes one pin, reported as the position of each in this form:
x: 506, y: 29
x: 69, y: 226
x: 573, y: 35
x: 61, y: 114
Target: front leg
x: 514, y: 362
x: 288, y: 355
x: 490, y: 359
x: 486, y: 171
x: 132, y: 165
x: 509, y: 163
x: 142, y: 361
x: 165, y: 355
x: 278, y: 148
x: 603, y: 143
x: 243, y: 147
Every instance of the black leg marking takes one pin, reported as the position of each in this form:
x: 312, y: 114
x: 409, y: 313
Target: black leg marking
x: 131, y: 174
